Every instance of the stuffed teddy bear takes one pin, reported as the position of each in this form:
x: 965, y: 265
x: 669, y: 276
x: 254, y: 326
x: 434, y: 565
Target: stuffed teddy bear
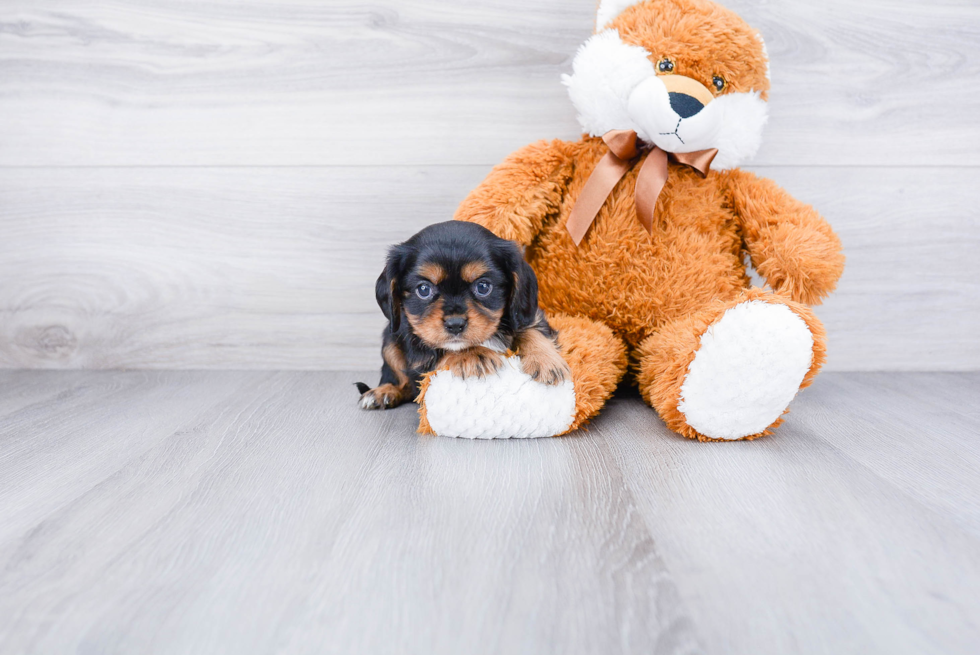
x: 639, y: 231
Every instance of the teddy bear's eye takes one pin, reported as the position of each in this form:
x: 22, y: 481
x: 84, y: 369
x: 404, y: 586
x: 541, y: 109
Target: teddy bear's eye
x: 665, y: 66
x: 719, y: 82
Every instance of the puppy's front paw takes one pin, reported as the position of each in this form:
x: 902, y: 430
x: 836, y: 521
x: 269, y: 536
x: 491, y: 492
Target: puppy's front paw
x: 545, y: 366
x: 476, y: 362
x: 384, y: 397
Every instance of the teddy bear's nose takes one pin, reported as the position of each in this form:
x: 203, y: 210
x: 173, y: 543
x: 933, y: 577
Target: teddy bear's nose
x: 685, y: 105
x: 687, y: 95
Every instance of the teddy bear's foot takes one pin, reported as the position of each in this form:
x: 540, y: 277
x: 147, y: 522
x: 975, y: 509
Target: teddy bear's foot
x: 730, y: 372
x: 747, y: 370
x: 510, y: 404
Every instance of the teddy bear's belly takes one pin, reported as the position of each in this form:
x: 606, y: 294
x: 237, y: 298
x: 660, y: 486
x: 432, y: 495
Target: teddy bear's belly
x: 636, y: 282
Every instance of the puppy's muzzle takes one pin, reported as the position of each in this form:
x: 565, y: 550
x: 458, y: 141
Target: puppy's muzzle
x: 455, y: 325
x: 687, y: 96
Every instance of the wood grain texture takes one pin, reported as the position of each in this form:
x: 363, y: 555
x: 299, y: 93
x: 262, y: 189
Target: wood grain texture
x: 213, y: 184
x: 886, y: 437
x: 275, y: 268
x: 837, y: 535
x: 219, y: 82
x: 279, y: 518
x: 261, y: 512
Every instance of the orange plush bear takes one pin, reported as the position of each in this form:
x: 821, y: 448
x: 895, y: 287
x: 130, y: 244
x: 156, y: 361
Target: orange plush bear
x: 639, y: 231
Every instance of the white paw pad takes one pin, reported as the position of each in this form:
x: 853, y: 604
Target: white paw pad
x: 748, y: 368
x: 506, y: 405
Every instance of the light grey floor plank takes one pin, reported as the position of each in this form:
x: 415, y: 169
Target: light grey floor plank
x: 791, y: 544
x: 283, y: 521
x: 886, y: 433
x: 211, y: 512
x: 58, y: 448
x: 21, y: 388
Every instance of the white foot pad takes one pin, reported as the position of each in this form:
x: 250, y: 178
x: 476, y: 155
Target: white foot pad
x: 748, y: 368
x: 504, y: 406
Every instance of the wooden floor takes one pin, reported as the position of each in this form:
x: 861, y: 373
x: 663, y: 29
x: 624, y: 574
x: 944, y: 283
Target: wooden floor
x: 261, y: 512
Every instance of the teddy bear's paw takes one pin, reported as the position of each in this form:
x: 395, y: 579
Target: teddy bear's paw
x: 502, y: 406
x: 747, y: 369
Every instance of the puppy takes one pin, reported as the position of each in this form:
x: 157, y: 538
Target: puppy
x: 457, y: 296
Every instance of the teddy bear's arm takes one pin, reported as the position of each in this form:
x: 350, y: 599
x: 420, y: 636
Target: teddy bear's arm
x: 790, y: 244
x: 520, y: 192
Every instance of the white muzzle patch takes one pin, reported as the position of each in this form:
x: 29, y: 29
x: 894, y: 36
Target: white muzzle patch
x: 614, y: 86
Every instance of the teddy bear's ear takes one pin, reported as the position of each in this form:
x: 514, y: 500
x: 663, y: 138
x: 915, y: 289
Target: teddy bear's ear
x: 609, y: 9
x: 765, y: 53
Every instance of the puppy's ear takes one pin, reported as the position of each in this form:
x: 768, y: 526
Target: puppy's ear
x: 388, y: 288
x: 522, y: 305
x: 389, y: 299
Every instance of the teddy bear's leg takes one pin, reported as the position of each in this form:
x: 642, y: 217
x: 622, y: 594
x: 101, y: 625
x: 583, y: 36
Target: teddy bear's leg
x: 597, y: 359
x: 729, y: 371
x: 510, y: 404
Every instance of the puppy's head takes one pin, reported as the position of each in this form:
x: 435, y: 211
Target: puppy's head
x: 457, y: 285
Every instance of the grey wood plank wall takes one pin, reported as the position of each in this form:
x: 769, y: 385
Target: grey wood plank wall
x: 212, y: 184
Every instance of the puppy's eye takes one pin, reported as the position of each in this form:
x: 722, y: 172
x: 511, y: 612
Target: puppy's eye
x: 424, y: 291
x: 719, y: 82
x: 665, y: 65
x: 482, y: 288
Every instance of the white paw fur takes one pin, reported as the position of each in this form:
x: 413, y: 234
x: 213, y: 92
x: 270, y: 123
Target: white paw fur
x: 748, y: 368
x: 368, y: 402
x: 507, y: 405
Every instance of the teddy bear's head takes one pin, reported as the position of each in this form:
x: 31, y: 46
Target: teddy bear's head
x: 685, y: 75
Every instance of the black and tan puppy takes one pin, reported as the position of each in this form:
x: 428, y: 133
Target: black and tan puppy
x: 456, y: 295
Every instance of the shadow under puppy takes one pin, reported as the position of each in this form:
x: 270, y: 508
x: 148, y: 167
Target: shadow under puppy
x: 456, y: 296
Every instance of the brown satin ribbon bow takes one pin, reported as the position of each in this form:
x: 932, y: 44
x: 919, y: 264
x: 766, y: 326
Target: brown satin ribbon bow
x: 624, y: 148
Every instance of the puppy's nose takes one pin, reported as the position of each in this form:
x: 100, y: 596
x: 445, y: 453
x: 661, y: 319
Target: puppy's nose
x: 685, y: 105
x: 455, y: 324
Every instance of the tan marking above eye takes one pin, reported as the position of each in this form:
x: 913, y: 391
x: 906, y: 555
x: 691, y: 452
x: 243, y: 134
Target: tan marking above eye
x: 432, y: 272
x: 473, y: 271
